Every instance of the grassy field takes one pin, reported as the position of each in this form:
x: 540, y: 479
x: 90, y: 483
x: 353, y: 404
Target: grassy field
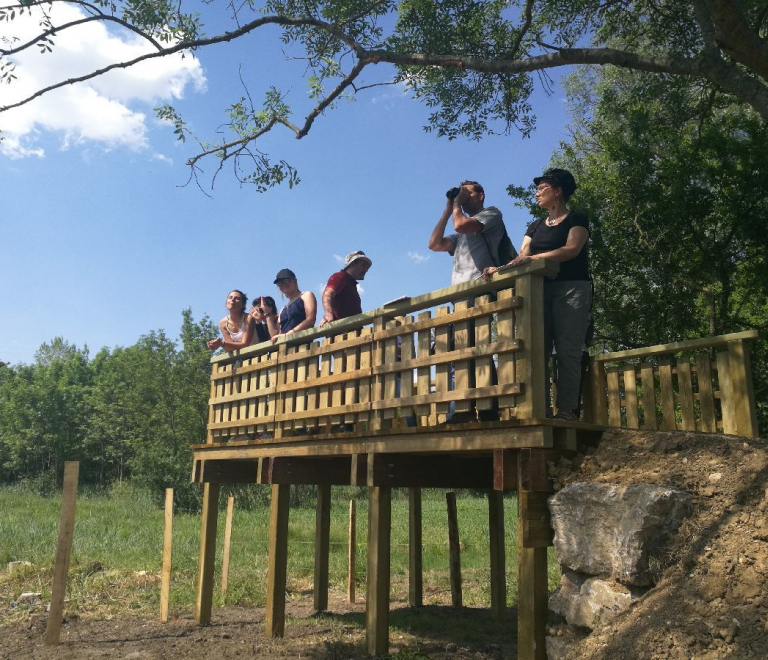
x: 116, y: 557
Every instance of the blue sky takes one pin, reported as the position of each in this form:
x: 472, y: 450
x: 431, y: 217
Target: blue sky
x: 99, y: 243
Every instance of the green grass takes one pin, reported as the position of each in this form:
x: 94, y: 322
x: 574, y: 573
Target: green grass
x: 117, y: 548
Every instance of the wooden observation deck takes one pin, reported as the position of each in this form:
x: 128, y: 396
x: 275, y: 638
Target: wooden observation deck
x: 366, y: 401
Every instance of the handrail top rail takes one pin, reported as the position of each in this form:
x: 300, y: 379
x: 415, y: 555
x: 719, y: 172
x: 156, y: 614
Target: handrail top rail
x: 675, y: 347
x: 399, y: 307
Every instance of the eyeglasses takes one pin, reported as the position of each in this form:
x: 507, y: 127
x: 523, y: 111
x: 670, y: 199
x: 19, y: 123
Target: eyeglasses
x: 280, y: 282
x: 541, y: 189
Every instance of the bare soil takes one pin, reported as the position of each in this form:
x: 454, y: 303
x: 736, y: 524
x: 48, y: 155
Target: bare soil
x: 710, y: 600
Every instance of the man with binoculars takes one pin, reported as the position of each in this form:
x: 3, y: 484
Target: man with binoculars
x: 479, y: 230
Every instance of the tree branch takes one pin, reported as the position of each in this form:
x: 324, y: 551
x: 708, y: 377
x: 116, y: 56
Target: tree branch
x: 735, y: 36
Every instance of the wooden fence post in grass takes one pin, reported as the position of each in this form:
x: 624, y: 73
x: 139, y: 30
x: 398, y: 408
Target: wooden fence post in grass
x: 453, y: 549
x: 322, y: 546
x: 165, y: 576
x: 225, y: 555
x: 63, y: 549
x: 351, y: 552
x: 415, y: 549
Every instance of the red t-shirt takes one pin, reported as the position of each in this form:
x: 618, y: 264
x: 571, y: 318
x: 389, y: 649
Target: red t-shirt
x: 347, y: 300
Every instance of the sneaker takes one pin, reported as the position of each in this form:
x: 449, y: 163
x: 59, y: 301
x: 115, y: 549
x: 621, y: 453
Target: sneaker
x: 566, y: 416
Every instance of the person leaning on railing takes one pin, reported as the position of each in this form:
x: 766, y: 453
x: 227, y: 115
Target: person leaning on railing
x: 341, y: 298
x: 237, y: 327
x: 264, y: 313
x: 561, y: 237
x: 300, y: 312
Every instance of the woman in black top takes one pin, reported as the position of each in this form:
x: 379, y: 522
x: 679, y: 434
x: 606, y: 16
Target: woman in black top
x: 561, y: 237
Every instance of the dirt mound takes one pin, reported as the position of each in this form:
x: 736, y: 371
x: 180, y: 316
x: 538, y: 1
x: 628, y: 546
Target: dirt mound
x: 710, y: 600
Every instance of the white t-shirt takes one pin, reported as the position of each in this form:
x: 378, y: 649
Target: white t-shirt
x: 470, y: 251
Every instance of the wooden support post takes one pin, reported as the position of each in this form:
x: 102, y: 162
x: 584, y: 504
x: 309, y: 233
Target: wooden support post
x: 377, y: 604
x: 165, y: 579
x: 322, y: 546
x: 225, y: 552
x: 278, y: 561
x: 598, y: 387
x: 498, y: 557
x: 63, y: 549
x: 352, y: 552
x: 531, y: 571
x: 454, y: 549
x: 206, y: 561
x: 415, y: 549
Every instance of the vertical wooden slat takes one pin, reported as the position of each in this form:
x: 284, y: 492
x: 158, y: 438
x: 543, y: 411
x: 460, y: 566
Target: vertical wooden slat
x: 280, y: 377
x: 442, y: 334
x: 337, y: 389
x: 743, y: 388
x: 454, y: 549
x: 530, y: 360
x: 667, y: 395
x: 352, y: 552
x: 301, y: 377
x: 685, y: 388
x: 227, y: 545
x: 313, y: 370
x: 422, y: 373
x: 497, y: 554
x: 324, y: 394
x: 390, y: 379
x: 461, y: 375
x: 649, y: 396
x: 352, y: 362
x: 599, y: 387
x: 614, y: 397
x: 207, y: 559
x: 406, y: 377
x: 483, y: 364
x: 415, y: 550
x: 278, y: 561
x: 364, y: 384
x: 377, y: 603
x: 706, y: 393
x: 63, y: 551
x: 165, y: 579
x: 509, y: 367
x: 630, y: 397
x: 322, y: 546
x: 211, y: 404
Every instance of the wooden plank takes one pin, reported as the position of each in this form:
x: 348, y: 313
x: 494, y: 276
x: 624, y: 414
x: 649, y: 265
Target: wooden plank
x: 415, y: 549
x: 685, y: 388
x: 364, y: 384
x: 407, y: 385
x: 442, y: 372
x: 339, y: 367
x: 530, y: 361
x: 225, y: 551
x: 306, y: 471
x: 352, y: 364
x: 534, y: 469
x: 207, y: 558
x: 430, y: 471
x: 667, y: 396
x: 377, y: 599
x: 614, y: 397
x: 423, y: 378
x: 461, y: 367
x: 706, y: 394
x: 389, y: 378
x: 630, y: 397
x: 232, y: 472
x: 352, y: 552
x: 324, y: 394
x: 165, y: 575
x: 678, y: 346
x: 277, y: 565
x: 439, y: 397
x: 506, y: 329
x: 649, y: 396
x: 497, y: 554
x: 504, y: 469
x: 536, y: 528
x: 63, y: 552
x: 483, y: 369
x: 599, y: 387
x: 743, y: 389
x: 322, y: 546
x: 531, y: 577
x: 454, y: 550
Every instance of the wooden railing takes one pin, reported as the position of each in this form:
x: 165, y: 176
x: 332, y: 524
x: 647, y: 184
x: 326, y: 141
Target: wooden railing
x: 404, y: 363
x: 704, y: 388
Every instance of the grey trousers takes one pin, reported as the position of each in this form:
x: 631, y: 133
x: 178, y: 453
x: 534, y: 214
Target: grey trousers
x: 567, y: 307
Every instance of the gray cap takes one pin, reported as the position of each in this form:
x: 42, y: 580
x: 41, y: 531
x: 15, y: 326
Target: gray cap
x: 285, y: 274
x: 356, y: 256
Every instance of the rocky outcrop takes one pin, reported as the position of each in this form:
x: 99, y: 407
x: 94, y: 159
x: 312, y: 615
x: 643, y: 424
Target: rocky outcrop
x: 605, y: 535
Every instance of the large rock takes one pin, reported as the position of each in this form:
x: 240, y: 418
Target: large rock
x: 589, y: 601
x: 610, y: 530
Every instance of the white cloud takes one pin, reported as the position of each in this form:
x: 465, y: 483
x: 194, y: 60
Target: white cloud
x: 339, y: 258
x: 360, y: 289
x: 97, y: 111
x: 418, y: 258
